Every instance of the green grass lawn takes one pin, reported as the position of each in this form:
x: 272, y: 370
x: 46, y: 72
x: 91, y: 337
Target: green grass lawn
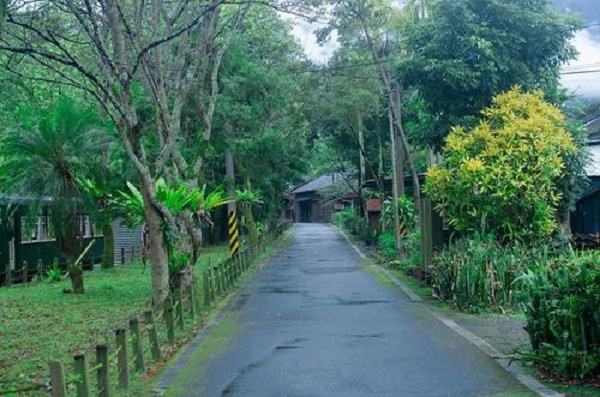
x: 38, y: 322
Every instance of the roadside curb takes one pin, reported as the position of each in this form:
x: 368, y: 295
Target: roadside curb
x: 515, y: 369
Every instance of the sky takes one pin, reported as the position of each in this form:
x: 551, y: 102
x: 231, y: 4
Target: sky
x: 586, y: 41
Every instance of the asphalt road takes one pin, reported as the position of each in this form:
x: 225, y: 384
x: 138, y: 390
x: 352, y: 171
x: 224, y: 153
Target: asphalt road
x: 316, y: 323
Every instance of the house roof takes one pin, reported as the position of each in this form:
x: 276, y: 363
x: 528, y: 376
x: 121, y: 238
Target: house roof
x: 320, y: 183
x: 17, y: 199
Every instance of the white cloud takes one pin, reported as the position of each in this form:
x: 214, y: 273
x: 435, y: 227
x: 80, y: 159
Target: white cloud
x: 584, y: 84
x: 305, y: 32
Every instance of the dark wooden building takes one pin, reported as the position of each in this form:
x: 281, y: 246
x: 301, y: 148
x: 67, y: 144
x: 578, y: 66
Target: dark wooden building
x: 27, y: 239
x: 309, y: 204
x: 585, y: 219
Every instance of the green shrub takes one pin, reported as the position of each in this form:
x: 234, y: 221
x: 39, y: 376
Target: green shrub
x: 409, y: 258
x: 561, y: 301
x: 406, y: 214
x: 500, y: 177
x: 367, y: 233
x: 387, y: 243
x: 479, y: 273
x: 54, y: 274
x: 348, y: 220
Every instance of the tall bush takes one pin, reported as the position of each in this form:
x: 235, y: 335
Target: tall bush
x: 478, y: 273
x: 561, y: 301
x: 500, y: 177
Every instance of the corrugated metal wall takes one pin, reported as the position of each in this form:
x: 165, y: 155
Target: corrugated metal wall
x: 128, y: 243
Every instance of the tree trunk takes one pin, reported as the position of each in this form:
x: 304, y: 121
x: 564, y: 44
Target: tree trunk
x: 157, y: 252
x: 564, y: 220
x: 250, y: 223
x: 108, y: 251
x: 76, y: 276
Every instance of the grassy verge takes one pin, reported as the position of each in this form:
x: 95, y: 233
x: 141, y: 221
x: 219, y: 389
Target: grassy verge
x: 38, y: 322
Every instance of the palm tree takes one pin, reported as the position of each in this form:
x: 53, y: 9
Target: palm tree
x: 44, y: 157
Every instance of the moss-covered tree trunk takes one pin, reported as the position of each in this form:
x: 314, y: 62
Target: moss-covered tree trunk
x: 108, y: 251
x: 246, y: 209
x: 76, y: 276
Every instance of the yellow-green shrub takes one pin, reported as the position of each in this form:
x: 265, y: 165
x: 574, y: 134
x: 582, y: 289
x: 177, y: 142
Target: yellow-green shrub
x: 500, y: 176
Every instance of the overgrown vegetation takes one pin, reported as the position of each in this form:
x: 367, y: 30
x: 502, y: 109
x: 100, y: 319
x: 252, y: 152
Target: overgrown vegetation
x: 479, y: 273
x: 560, y: 297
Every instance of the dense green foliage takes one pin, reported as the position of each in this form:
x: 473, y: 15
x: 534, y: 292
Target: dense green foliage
x: 479, y: 273
x: 500, y: 177
x: 468, y: 51
x: 561, y: 300
x: 42, y: 158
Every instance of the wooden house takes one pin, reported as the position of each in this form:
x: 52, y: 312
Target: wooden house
x: 310, y: 202
x: 27, y: 241
x: 585, y: 219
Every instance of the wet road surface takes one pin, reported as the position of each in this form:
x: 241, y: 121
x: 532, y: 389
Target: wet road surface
x: 316, y: 323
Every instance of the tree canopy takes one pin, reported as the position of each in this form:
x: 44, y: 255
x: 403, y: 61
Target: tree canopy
x: 467, y: 51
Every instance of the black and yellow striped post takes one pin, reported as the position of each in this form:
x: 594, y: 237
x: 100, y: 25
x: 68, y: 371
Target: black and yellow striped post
x: 234, y: 233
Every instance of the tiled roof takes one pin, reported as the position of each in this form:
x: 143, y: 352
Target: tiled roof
x: 319, y: 183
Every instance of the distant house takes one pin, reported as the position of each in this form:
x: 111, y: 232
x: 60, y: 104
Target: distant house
x: 128, y: 243
x: 310, y: 204
x: 585, y: 219
x: 591, y: 121
x: 27, y: 240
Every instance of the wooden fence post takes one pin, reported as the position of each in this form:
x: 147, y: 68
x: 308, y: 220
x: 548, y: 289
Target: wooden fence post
x: 180, y: 311
x: 40, y: 270
x: 206, y: 287
x: 137, y: 346
x: 8, y: 276
x: 25, y: 271
x: 102, y: 373
x: 122, y: 357
x: 152, y: 335
x: 122, y: 255
x: 192, y: 298
x: 81, y: 370
x: 217, y: 281
x: 57, y: 379
x: 169, y: 320
x: 230, y: 274
x: 426, y: 237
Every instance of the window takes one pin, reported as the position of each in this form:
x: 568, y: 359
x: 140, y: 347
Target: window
x: 29, y: 229
x: 36, y: 229
x: 85, y: 226
x: 45, y: 229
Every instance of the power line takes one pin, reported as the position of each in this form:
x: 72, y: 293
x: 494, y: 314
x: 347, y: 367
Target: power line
x: 581, y: 72
x: 591, y: 25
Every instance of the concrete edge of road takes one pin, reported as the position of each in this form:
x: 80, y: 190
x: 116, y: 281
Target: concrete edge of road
x: 514, y: 369
x: 182, y: 358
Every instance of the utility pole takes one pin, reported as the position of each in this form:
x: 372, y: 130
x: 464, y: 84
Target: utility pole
x: 361, y: 152
x: 397, y: 169
x: 234, y: 233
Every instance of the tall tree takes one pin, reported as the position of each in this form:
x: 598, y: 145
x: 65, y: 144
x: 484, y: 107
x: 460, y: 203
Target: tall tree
x: 45, y: 156
x: 369, y: 23
x: 467, y: 51
x: 125, y: 53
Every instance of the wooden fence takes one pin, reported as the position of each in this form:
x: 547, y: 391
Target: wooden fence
x: 26, y: 273
x: 140, y: 341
